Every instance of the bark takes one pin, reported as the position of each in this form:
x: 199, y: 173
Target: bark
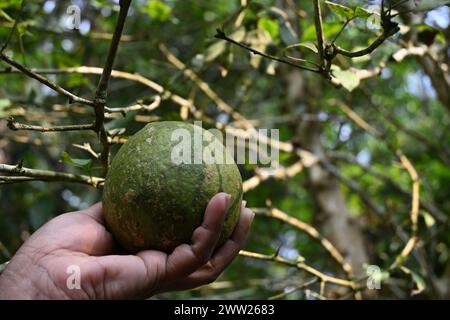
x: 332, y: 214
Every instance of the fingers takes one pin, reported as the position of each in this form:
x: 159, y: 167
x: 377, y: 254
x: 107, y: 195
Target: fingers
x: 152, y: 271
x: 131, y: 276
x: 185, y: 259
x: 222, y: 258
x: 94, y: 211
x: 231, y: 248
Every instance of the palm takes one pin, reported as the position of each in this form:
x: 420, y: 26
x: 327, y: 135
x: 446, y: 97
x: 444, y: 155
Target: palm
x: 80, y: 239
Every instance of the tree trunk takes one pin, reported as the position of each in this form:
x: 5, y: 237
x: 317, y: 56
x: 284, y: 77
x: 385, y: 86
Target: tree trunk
x: 332, y: 215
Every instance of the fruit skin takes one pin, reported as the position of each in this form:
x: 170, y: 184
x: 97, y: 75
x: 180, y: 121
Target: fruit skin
x: 149, y: 202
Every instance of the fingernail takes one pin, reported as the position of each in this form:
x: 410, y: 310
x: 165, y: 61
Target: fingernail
x: 227, y: 201
x: 250, y: 213
x: 244, y: 203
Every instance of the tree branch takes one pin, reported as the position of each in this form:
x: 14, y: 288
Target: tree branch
x: 165, y: 94
x: 299, y: 265
x: 102, y: 88
x: 221, y: 35
x: 47, y: 175
x: 312, y: 232
x: 14, y: 125
x: 294, y: 289
x: 414, y: 211
x: 72, y: 98
x: 319, y: 31
x: 353, y: 54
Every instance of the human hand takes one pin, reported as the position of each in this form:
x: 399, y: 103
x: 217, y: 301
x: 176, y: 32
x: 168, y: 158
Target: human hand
x: 39, y: 268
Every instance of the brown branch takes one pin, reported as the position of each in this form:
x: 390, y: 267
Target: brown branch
x: 353, y: 54
x: 415, y: 203
x: 356, y: 118
x: 294, y: 289
x: 92, y: 35
x: 435, y: 212
x: 102, y: 88
x: 88, y: 148
x: 13, y: 179
x: 72, y: 98
x: 47, y: 175
x: 13, y: 29
x: 136, y: 107
x: 307, y: 157
x: 164, y: 93
x: 319, y: 32
x: 300, y: 266
x: 279, y: 174
x: 14, y: 125
x: 312, y: 232
x: 221, y: 35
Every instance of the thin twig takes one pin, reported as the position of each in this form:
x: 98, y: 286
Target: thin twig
x: 102, y: 88
x: 72, y: 98
x: 299, y: 265
x: 319, y: 32
x: 221, y: 35
x: 294, y: 289
x: 415, y: 203
x: 13, y: 29
x: 279, y: 174
x: 136, y: 107
x: 435, y: 212
x: 164, y: 93
x: 47, y: 175
x: 342, y: 29
x: 13, y: 179
x: 88, y: 148
x: 13, y: 125
x: 353, y: 54
x: 312, y: 232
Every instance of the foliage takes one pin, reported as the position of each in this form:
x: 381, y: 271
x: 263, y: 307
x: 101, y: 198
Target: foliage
x: 356, y: 112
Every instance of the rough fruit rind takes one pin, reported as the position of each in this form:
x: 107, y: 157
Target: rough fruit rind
x: 149, y: 202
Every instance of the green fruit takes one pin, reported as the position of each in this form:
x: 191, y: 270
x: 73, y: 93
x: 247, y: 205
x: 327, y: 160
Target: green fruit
x: 151, y: 202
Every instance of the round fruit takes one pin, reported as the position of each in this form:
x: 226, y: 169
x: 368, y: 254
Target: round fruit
x: 160, y: 183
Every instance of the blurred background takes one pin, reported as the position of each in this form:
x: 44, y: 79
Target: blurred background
x: 341, y: 206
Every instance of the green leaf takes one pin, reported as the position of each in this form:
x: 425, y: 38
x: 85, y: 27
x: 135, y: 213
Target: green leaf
x: 217, y: 48
x: 362, y: 13
x: 10, y: 4
x: 4, y: 103
x: 308, y: 45
x: 269, y: 25
x: 79, y: 163
x: 157, y: 10
x: 417, y: 279
x: 428, y: 218
x: 341, y: 10
x: 5, y: 15
x: 329, y: 29
x: 348, y: 79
